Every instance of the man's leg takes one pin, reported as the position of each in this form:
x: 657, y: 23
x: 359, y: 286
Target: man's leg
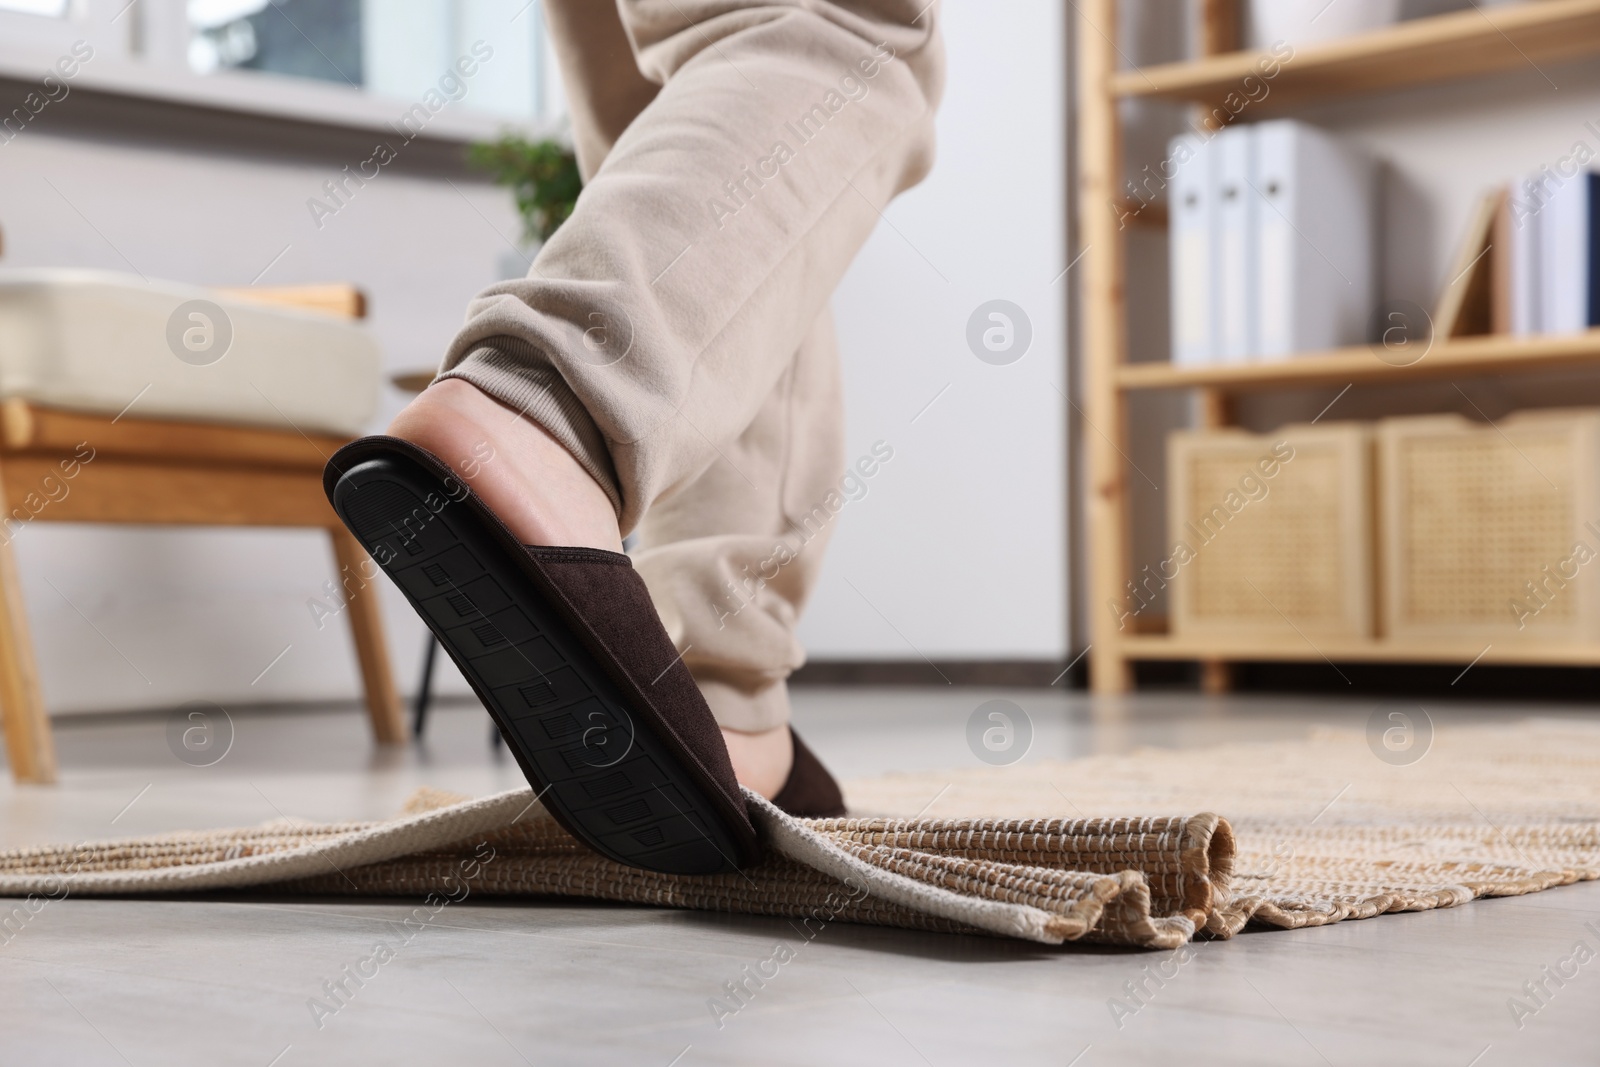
x: 731, y: 558
x: 528, y: 475
x: 660, y: 322
x: 662, y: 314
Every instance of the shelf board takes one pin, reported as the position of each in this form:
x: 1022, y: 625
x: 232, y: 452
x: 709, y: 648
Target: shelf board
x: 1293, y: 649
x: 1417, y: 52
x: 1469, y: 356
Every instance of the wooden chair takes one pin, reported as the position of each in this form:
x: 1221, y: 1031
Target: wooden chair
x: 180, y: 473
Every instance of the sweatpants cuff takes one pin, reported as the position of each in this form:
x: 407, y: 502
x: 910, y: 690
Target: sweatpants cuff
x: 747, y: 711
x: 520, y: 376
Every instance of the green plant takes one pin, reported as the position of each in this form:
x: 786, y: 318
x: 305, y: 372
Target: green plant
x: 542, y: 175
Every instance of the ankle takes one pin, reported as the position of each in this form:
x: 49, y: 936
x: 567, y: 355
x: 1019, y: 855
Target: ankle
x: 522, y: 473
x: 762, y: 761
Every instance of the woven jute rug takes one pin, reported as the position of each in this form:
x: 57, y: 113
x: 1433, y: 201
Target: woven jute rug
x: 1316, y: 831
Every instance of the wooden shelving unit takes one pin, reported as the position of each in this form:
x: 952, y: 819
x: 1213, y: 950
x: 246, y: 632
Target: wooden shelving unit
x: 1424, y: 51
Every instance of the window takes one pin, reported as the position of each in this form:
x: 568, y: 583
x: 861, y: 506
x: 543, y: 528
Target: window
x: 394, y: 48
x: 52, y: 9
x: 302, y: 38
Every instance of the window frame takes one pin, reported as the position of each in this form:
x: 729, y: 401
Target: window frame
x: 147, y: 57
x: 98, y: 21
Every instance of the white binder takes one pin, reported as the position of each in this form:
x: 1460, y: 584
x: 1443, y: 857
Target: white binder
x: 1190, y: 259
x: 1315, y: 218
x: 1563, y: 278
x: 1236, y: 282
x: 1527, y: 258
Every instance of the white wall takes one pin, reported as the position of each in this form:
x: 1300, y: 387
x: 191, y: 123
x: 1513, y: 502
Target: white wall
x: 959, y: 550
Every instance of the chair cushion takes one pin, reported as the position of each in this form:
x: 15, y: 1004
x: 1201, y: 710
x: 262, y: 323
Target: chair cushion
x: 92, y: 341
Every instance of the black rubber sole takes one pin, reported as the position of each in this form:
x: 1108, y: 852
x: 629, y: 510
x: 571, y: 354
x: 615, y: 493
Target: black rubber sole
x: 604, y: 773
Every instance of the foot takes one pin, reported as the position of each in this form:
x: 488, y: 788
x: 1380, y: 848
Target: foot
x: 524, y: 475
x: 761, y: 761
x: 545, y: 497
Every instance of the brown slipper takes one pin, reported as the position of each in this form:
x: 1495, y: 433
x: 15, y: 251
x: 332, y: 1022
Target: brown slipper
x: 565, y: 650
x: 810, y: 791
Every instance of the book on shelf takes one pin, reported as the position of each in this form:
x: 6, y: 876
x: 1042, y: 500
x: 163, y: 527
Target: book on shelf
x: 1272, y: 243
x: 1555, y: 245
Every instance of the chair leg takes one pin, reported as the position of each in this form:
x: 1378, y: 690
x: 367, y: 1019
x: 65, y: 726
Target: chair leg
x: 1216, y: 677
x: 419, y: 707
x: 358, y: 576
x: 29, y: 743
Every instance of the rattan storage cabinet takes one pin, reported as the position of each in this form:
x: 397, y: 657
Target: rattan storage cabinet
x: 1485, y: 530
x: 1271, y: 534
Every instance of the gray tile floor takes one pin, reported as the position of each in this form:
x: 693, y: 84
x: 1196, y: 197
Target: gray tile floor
x: 233, y: 980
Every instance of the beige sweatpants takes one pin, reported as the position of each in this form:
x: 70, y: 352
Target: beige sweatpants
x: 674, y: 333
